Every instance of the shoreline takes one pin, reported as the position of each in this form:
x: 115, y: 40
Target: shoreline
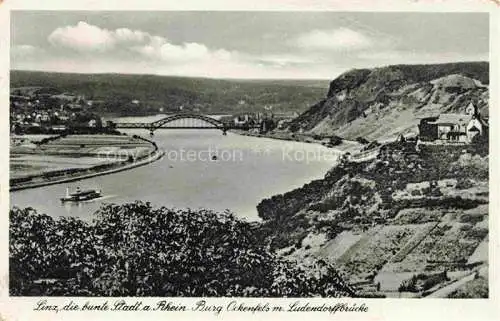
x: 69, y: 176
x: 344, y: 147
x: 155, y: 155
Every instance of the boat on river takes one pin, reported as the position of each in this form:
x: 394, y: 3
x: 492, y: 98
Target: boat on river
x: 81, y: 195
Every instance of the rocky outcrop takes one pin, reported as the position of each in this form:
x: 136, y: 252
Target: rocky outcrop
x: 385, y: 102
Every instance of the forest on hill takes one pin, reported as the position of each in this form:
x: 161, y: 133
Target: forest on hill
x: 113, y: 93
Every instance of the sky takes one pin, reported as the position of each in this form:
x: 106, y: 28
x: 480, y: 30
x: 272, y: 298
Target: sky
x: 256, y: 45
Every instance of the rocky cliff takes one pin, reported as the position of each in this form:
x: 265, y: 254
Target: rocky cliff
x: 384, y: 102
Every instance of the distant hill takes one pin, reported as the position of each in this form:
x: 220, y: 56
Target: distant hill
x: 384, y: 102
x: 116, y: 91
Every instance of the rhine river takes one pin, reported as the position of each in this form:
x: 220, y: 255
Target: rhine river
x: 247, y: 170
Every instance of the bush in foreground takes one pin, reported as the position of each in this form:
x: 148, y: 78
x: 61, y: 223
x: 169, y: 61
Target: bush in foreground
x: 137, y: 250
x: 477, y: 288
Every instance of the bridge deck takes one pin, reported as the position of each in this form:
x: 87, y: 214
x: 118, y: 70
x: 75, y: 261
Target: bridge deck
x: 184, y: 121
x: 149, y: 126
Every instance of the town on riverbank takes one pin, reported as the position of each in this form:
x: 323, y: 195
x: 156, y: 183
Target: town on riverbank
x: 60, y: 137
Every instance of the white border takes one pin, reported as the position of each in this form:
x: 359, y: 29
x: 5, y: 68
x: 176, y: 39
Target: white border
x: 380, y: 309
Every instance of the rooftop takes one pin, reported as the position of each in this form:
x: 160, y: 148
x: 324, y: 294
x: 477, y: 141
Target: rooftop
x: 452, y: 119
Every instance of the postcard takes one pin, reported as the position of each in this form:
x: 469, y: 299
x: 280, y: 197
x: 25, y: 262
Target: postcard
x: 208, y: 161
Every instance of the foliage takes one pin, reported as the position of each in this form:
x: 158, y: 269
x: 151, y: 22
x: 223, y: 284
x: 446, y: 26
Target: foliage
x: 470, y: 218
x: 362, y: 140
x: 476, y: 233
x: 433, y: 191
x: 476, y: 288
x: 422, y: 282
x: 464, y: 183
x: 372, y: 145
x: 471, y: 166
x: 335, y: 140
x: 137, y: 250
x: 434, y: 279
x: 113, y: 93
x: 408, y: 285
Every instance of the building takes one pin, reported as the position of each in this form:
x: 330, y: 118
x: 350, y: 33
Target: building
x: 92, y: 123
x: 282, y: 123
x: 59, y: 128
x: 453, y: 127
x: 241, y: 120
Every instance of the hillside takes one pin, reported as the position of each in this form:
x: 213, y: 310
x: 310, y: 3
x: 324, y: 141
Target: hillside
x: 412, y: 222
x: 408, y: 222
x: 116, y: 91
x: 383, y: 102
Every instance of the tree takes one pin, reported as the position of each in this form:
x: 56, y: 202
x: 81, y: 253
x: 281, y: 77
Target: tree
x: 362, y: 140
x: 137, y: 250
x: 335, y: 140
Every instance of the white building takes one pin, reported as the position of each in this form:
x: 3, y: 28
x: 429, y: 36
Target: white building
x: 453, y: 127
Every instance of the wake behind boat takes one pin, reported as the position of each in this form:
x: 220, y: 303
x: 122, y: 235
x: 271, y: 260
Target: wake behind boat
x: 81, y: 195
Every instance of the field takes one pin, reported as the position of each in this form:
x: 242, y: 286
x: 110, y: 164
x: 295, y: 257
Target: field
x: 376, y: 251
x: 30, y: 165
x: 418, y: 243
x: 29, y: 160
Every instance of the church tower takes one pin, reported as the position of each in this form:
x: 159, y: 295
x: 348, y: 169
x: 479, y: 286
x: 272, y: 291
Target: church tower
x: 472, y: 111
x: 475, y: 127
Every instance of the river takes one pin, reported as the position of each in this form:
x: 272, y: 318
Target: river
x: 247, y: 170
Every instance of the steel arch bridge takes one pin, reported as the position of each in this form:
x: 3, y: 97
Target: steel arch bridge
x: 181, y: 121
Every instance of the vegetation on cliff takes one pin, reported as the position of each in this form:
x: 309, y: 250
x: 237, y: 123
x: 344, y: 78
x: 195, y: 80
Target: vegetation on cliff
x: 384, y: 102
x: 407, y: 211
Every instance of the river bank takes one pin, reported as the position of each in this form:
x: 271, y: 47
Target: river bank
x: 346, y: 146
x: 77, y: 157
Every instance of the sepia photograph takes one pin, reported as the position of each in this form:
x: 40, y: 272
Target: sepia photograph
x: 249, y: 154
